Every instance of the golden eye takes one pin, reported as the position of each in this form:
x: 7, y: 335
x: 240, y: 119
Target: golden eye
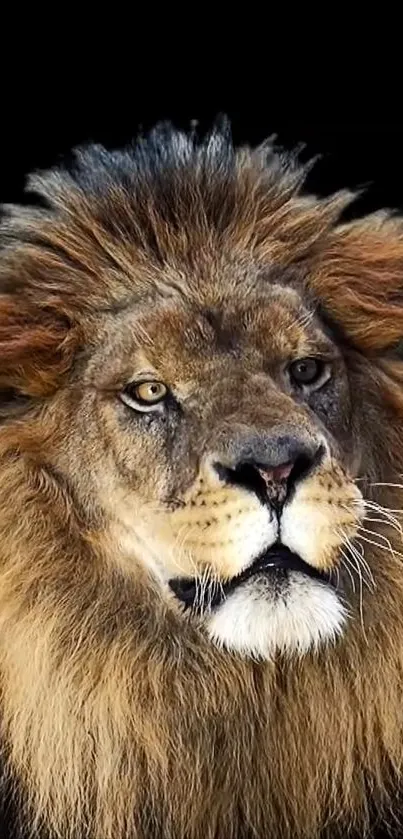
x: 144, y: 395
x: 150, y: 392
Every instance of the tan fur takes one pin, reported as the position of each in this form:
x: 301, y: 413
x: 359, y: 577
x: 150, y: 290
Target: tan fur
x: 119, y: 717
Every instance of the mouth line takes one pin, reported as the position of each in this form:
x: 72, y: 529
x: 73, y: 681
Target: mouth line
x: 278, y: 559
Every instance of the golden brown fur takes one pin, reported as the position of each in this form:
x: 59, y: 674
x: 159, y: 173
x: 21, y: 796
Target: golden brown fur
x: 118, y: 717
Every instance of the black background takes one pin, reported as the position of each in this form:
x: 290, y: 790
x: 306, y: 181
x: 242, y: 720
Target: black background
x: 41, y: 123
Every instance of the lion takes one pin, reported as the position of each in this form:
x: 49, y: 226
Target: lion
x: 201, y: 459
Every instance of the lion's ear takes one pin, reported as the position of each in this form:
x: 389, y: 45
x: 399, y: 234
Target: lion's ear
x: 359, y: 280
x: 35, y: 347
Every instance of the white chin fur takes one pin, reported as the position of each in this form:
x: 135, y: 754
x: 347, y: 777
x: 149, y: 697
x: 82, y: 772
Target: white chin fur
x: 258, y: 623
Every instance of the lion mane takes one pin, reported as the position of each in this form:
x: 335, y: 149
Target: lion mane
x: 117, y: 719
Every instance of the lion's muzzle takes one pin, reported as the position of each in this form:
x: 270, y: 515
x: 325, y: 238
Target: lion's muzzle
x: 270, y: 465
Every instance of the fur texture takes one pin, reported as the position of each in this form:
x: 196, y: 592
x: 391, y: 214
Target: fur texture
x: 119, y: 715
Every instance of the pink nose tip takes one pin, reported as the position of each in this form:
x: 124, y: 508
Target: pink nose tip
x: 276, y: 474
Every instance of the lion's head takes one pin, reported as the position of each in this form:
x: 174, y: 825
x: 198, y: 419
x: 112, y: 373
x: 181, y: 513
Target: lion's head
x: 201, y: 588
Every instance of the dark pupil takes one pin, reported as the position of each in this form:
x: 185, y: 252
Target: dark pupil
x: 305, y: 371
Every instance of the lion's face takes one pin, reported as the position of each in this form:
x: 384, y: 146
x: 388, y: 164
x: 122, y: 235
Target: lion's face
x: 201, y: 388
x: 218, y: 442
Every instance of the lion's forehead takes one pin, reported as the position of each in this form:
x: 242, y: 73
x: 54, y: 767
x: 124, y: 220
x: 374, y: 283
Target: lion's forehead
x: 189, y: 339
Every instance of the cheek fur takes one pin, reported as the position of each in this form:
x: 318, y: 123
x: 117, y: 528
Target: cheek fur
x: 326, y: 509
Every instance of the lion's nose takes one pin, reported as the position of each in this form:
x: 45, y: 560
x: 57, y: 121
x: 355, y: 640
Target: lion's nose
x: 270, y: 466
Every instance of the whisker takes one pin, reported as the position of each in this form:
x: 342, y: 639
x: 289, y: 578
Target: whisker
x: 360, y: 557
x: 360, y: 584
x: 396, y: 527
x: 336, y: 572
x: 199, y: 590
x: 360, y: 602
x: 377, y: 508
x: 347, y: 568
x: 385, y: 484
x: 388, y: 545
x: 205, y: 583
x: 391, y: 520
x: 357, y: 567
x: 371, y: 502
